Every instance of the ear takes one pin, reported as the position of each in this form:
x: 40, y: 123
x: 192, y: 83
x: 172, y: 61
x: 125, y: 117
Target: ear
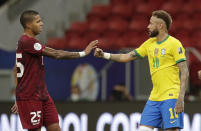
x: 28, y: 25
x: 161, y: 25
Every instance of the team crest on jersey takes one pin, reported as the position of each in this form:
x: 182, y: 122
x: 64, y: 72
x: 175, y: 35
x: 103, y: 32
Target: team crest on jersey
x: 163, y: 51
x: 37, y: 46
x: 156, y: 51
x: 180, y: 50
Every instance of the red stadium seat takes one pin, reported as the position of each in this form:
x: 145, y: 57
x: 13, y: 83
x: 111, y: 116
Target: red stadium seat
x: 91, y: 35
x: 196, y: 16
x: 76, y: 43
x: 118, y: 25
x: 171, y: 7
x: 98, y: 25
x: 123, y: 10
x: 101, y: 11
x: 196, y: 37
x: 118, y: 2
x: 78, y: 27
x: 57, y: 43
x: 108, y: 43
x: 196, y: 5
x: 184, y: 36
x: 146, y: 8
x: 138, y: 24
x: 182, y: 21
x: 187, y: 8
x: 133, y: 39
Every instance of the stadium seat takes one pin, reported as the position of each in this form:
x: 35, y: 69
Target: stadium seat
x: 146, y: 8
x: 171, y: 7
x: 196, y: 37
x: 184, y: 36
x: 91, y: 35
x: 107, y: 43
x: 133, y: 39
x: 57, y: 43
x: 196, y: 17
x: 101, y: 11
x: 77, y: 29
x: 119, y: 25
x: 196, y: 5
x: 123, y: 10
x: 118, y: 2
x: 76, y: 43
x: 98, y: 25
x: 138, y: 24
x: 187, y: 8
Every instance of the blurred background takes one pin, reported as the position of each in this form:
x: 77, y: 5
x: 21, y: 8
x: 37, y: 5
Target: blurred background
x: 94, y: 94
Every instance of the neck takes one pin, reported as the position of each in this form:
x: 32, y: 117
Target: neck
x: 29, y: 33
x: 161, y: 36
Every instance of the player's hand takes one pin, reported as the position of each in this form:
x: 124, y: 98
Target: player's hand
x: 92, y: 45
x: 199, y: 74
x: 98, y: 53
x: 14, y: 109
x: 179, y: 106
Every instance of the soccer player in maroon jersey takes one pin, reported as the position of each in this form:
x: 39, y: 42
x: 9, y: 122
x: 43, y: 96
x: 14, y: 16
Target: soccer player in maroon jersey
x: 33, y: 103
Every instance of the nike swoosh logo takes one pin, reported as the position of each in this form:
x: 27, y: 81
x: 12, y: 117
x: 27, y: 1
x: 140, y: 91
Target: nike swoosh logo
x: 172, y: 121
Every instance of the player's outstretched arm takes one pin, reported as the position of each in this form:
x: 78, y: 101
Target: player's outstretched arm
x: 179, y: 106
x: 60, y: 54
x: 115, y: 57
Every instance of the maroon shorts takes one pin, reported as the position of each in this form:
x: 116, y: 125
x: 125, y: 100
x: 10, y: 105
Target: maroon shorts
x: 34, y: 114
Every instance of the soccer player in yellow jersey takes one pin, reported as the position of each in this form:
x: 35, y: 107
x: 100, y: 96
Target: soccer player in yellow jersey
x: 169, y: 72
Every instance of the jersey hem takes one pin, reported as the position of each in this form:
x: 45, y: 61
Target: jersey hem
x: 180, y: 60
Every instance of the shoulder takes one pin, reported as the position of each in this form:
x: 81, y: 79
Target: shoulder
x: 27, y: 40
x: 174, y: 40
x: 148, y: 42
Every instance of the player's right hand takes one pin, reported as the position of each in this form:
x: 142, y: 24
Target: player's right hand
x: 92, y: 45
x: 14, y: 109
x: 98, y: 53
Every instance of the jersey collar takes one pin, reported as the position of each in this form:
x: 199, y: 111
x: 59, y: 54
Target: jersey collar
x: 162, y: 40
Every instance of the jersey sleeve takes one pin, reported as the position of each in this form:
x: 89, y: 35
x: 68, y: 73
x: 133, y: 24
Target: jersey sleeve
x: 32, y: 46
x: 141, y: 51
x: 178, y: 52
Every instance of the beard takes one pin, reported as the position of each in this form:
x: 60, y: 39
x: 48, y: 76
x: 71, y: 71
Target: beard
x: 153, y: 33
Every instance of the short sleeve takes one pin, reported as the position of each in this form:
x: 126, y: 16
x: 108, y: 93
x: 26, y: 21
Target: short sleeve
x: 32, y: 46
x: 178, y: 52
x: 141, y: 51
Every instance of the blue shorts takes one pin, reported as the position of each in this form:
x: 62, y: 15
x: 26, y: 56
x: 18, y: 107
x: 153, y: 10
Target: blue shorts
x: 160, y: 114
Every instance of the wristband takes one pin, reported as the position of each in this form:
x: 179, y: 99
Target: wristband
x: 106, y: 56
x: 82, y: 54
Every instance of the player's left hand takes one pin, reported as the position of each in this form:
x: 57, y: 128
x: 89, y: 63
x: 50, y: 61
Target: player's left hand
x: 14, y: 109
x: 92, y: 45
x: 179, y: 106
x: 199, y: 74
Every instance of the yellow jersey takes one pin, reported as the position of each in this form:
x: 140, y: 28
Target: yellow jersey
x: 163, y: 58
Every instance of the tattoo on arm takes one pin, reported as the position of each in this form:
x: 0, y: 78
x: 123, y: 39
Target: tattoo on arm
x: 184, y: 77
x: 133, y: 55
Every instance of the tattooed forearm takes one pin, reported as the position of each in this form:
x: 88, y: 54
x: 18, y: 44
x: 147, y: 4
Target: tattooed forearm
x: 183, y: 78
x: 133, y: 55
x: 68, y: 55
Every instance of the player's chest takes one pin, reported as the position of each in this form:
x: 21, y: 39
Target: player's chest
x: 159, y: 55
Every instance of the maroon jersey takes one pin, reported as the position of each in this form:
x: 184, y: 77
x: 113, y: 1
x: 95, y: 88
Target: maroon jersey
x: 30, y: 70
